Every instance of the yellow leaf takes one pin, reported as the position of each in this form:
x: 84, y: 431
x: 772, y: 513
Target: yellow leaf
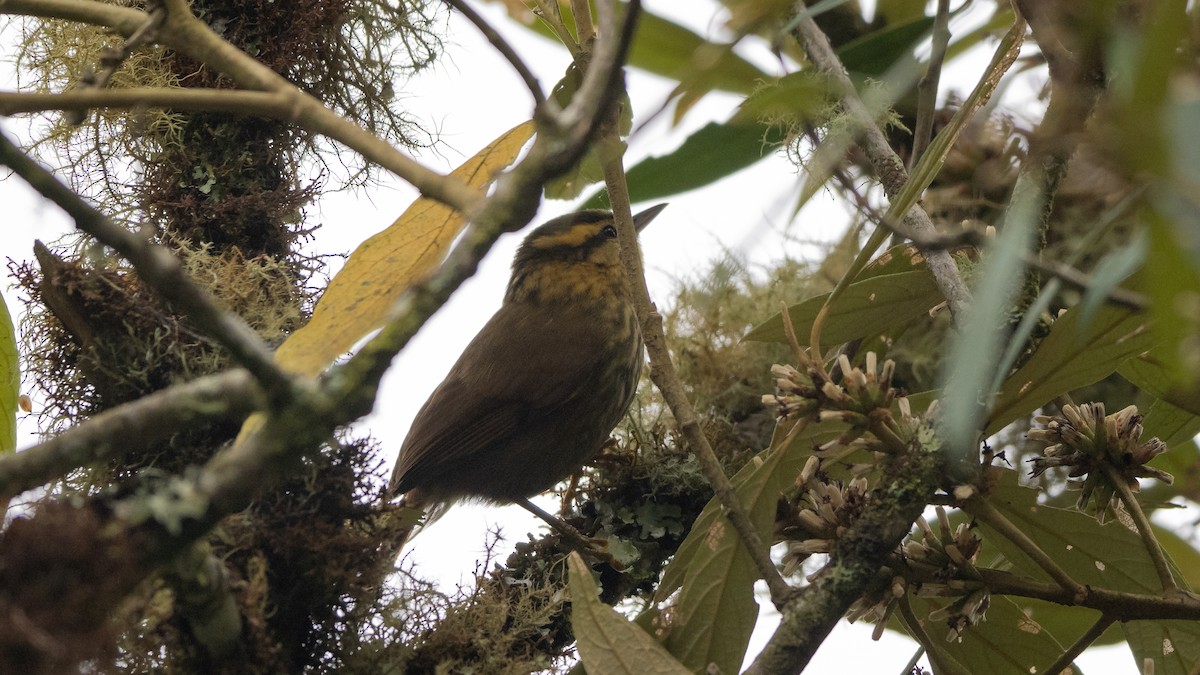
x: 608, y: 643
x: 384, y: 266
x: 10, y: 382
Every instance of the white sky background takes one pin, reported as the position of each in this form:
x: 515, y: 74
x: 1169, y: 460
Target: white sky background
x: 470, y: 97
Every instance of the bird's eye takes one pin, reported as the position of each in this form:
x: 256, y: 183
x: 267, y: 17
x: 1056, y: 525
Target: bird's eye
x: 609, y: 231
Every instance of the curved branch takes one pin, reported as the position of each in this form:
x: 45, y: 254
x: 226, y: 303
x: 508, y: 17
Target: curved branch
x: 504, y: 48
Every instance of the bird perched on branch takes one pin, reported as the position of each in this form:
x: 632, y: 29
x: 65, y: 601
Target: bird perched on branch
x: 538, y: 391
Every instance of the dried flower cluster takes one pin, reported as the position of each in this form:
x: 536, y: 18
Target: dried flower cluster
x: 948, y: 556
x: 862, y: 400
x: 1099, y: 448
x: 820, y: 515
x: 945, y: 562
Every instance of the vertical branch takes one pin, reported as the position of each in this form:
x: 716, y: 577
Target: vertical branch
x: 927, y: 87
x: 662, y: 370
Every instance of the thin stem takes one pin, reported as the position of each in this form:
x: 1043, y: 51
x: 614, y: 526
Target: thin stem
x: 983, y: 510
x: 1145, y: 529
x: 885, y: 162
x: 574, y: 537
x: 1064, y: 661
x: 504, y: 48
x: 584, y: 30
x: 547, y: 11
x: 662, y: 371
x: 927, y: 87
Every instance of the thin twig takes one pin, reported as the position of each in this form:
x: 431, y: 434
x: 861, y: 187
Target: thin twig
x: 982, y: 509
x: 251, y: 103
x: 582, y: 11
x: 1064, y: 661
x: 158, y: 269
x: 1123, y: 605
x: 1145, y: 530
x: 548, y: 12
x: 576, y: 539
x: 111, y: 58
x: 917, y: 630
x: 927, y: 86
x: 1081, y: 281
x: 502, y: 46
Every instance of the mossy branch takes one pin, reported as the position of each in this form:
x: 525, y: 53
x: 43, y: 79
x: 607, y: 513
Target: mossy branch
x: 158, y: 268
x: 186, y: 34
x: 131, y: 427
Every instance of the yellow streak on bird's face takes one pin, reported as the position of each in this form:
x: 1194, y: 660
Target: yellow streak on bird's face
x: 573, y: 237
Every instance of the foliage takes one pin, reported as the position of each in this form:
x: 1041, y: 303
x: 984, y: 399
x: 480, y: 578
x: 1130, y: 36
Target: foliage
x: 865, y: 411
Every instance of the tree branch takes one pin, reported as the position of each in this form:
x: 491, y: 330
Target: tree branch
x: 908, y: 484
x: 159, y: 269
x: 1064, y: 661
x: 662, y: 370
x: 186, y: 34
x: 883, y: 158
x: 981, y: 508
x: 129, y: 427
x: 927, y: 86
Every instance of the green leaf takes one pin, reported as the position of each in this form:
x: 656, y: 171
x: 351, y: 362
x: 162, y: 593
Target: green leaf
x: 865, y: 308
x: 608, y: 643
x: 874, y: 53
x: 716, y: 150
x: 1149, y: 372
x: 10, y: 380
x: 1171, y: 280
x: 1071, y: 357
x: 715, y: 612
x: 1164, y: 647
x: 1110, y: 556
x: 1172, y: 425
x: 1008, y: 643
x: 1183, y: 554
x: 665, y: 48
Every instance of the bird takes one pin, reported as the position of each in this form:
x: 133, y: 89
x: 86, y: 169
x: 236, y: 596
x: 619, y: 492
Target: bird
x: 538, y: 391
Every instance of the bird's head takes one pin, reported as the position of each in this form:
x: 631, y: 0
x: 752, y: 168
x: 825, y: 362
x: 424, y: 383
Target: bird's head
x: 572, y: 255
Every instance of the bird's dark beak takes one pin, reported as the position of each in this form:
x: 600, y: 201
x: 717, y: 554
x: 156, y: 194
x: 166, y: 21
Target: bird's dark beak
x: 641, y: 220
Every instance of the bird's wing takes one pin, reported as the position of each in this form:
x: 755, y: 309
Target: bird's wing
x: 517, y: 369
